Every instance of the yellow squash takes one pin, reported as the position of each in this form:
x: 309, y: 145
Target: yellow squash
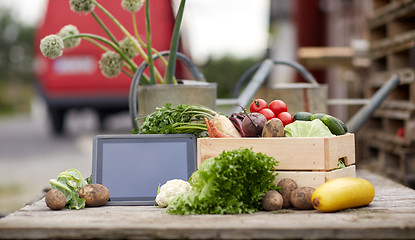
x: 343, y: 193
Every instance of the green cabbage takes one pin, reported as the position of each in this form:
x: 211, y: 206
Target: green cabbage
x: 234, y: 182
x: 315, y: 128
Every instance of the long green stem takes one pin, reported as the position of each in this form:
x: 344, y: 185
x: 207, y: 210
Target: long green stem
x: 174, y: 44
x: 149, y: 50
x: 127, y: 73
x: 108, y: 42
x: 125, y: 31
x: 110, y: 35
x: 105, y: 49
x: 162, y: 58
x: 96, y: 43
x: 136, y: 31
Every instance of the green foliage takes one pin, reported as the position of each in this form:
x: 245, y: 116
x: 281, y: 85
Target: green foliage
x: 180, y: 119
x: 16, y: 48
x: 16, y: 61
x: 226, y: 72
x: 69, y: 183
x: 231, y: 183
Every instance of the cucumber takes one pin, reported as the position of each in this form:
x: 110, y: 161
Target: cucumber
x: 334, y: 124
x: 343, y: 125
x: 317, y: 115
x: 302, y: 116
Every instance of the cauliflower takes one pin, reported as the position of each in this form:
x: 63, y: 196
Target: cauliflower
x: 171, y: 189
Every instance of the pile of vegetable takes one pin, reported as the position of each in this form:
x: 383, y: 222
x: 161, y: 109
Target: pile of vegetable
x: 273, y: 120
x: 234, y: 182
x: 71, y: 189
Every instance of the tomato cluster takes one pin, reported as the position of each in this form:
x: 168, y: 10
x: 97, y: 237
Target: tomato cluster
x: 276, y: 108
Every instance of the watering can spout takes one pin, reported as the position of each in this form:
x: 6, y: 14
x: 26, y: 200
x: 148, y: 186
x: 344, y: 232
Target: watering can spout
x: 357, y: 121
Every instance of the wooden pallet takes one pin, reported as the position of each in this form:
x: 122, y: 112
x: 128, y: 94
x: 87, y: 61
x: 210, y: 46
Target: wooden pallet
x: 393, y: 160
x: 391, y: 30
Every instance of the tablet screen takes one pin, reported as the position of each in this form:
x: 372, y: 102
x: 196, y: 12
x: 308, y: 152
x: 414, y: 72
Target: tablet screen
x: 132, y: 167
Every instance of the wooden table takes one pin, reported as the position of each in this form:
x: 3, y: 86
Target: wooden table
x: 391, y: 215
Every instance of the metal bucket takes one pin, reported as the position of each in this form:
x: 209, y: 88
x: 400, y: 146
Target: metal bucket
x: 144, y: 100
x: 152, y: 96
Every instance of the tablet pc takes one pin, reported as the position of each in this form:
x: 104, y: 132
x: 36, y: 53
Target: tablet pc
x: 133, y: 166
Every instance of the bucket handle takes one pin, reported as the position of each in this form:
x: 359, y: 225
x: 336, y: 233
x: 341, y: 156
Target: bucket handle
x: 300, y: 68
x: 133, y: 98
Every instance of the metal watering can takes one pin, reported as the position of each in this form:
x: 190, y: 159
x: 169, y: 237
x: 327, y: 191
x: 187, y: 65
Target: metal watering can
x: 311, y: 96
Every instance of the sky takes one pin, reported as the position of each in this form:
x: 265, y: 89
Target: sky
x: 214, y: 28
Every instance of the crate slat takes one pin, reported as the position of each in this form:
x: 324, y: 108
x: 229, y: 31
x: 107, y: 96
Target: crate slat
x: 315, y: 179
x: 292, y: 153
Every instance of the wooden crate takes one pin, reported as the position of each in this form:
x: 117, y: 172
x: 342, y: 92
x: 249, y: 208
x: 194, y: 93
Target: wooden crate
x: 315, y: 178
x: 310, y: 161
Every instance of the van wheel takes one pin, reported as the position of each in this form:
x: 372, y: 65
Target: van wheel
x: 57, y: 117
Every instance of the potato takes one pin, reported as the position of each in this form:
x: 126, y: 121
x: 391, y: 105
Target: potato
x: 95, y: 195
x: 301, y: 198
x: 55, y: 199
x: 273, y: 128
x: 288, y: 185
x: 272, y: 201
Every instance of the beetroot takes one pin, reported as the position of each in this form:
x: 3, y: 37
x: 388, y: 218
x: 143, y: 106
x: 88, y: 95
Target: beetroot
x: 253, y: 124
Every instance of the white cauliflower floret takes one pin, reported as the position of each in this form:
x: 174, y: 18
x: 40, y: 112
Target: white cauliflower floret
x: 171, y: 189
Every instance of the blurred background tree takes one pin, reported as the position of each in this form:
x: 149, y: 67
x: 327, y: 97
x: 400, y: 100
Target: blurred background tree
x: 226, y: 71
x: 16, y: 64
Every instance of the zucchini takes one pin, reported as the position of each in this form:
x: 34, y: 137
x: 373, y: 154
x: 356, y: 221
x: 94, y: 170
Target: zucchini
x: 343, y: 193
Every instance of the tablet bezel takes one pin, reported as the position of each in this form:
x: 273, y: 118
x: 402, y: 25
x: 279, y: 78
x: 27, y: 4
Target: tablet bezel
x: 97, y: 159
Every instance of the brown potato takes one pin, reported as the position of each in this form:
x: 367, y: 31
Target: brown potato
x: 273, y: 128
x: 288, y: 185
x: 55, y: 199
x: 95, y: 195
x: 272, y: 201
x: 301, y: 198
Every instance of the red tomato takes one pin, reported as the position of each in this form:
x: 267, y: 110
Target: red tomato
x: 257, y: 105
x: 285, y: 118
x: 267, y: 113
x: 278, y: 106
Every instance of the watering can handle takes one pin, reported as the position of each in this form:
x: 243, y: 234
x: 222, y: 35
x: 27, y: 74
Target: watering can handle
x: 300, y: 68
x: 133, y: 99
x: 357, y: 121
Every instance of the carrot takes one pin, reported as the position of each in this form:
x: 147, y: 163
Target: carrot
x: 213, y: 131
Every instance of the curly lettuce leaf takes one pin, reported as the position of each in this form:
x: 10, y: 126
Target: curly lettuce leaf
x: 232, y: 183
x: 69, y: 183
x: 315, y: 128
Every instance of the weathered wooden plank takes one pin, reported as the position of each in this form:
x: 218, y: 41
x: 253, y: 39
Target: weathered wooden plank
x: 391, y: 12
x: 315, y: 178
x: 406, y: 76
x: 391, y: 215
x: 390, y: 45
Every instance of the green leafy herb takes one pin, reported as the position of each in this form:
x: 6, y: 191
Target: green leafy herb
x: 234, y: 182
x: 69, y: 183
x: 181, y: 119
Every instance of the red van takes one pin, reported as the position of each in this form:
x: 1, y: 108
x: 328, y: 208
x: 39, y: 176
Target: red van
x: 74, y: 80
